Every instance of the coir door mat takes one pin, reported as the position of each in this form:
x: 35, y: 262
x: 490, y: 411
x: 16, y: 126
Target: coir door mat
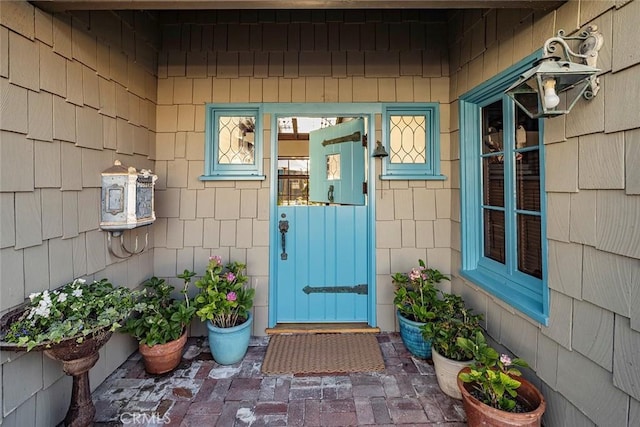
x: 322, y: 354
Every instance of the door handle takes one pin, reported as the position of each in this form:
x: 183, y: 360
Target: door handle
x: 330, y: 194
x: 283, y: 226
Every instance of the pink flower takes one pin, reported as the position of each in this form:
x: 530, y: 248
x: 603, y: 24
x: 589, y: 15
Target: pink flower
x: 216, y: 258
x: 231, y: 296
x: 230, y: 276
x: 414, y: 274
x: 505, y: 360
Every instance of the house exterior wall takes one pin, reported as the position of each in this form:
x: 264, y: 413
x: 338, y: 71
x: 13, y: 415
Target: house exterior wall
x: 57, y: 135
x: 292, y: 56
x: 71, y: 102
x: 586, y: 360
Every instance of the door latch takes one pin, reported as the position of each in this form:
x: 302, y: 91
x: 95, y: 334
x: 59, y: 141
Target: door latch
x: 283, y: 226
x: 330, y: 194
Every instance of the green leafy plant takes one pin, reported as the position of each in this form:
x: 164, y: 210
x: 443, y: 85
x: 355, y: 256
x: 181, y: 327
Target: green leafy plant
x: 492, y: 375
x: 72, y: 311
x: 415, y: 295
x: 223, y: 299
x: 158, y: 317
x: 453, y: 320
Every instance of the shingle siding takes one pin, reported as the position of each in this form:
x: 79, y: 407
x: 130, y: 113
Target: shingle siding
x: 57, y: 91
x: 592, y: 203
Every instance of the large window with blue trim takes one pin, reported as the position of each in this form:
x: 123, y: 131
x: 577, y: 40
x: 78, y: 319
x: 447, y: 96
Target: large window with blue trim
x: 233, y: 147
x: 412, y: 140
x: 503, y: 204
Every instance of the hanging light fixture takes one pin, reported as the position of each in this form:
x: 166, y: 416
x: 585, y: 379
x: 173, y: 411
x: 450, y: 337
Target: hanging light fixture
x: 537, y: 91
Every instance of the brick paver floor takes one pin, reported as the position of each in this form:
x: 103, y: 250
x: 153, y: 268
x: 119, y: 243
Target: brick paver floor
x: 202, y: 393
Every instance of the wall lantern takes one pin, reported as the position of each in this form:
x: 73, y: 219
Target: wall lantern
x: 537, y: 90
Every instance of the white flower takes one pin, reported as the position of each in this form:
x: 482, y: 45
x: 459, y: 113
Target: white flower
x: 62, y: 297
x: 77, y: 293
x: 506, y: 360
x: 34, y: 296
x: 44, y: 308
x: 43, y: 311
x: 79, y: 282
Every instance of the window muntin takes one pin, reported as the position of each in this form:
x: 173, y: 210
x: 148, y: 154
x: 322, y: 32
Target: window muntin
x: 411, y: 136
x: 502, y: 194
x: 233, y: 143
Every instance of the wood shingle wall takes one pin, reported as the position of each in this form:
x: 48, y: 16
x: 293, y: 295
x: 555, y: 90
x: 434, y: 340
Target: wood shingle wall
x: 293, y: 56
x: 76, y: 93
x: 587, y: 358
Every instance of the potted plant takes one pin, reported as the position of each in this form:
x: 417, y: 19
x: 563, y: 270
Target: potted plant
x: 416, y: 298
x: 224, y: 303
x: 453, y: 320
x: 493, y: 392
x: 160, y: 324
x: 69, y: 324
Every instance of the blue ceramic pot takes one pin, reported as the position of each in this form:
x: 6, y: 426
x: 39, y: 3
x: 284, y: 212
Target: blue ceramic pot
x: 229, y: 345
x: 412, y: 337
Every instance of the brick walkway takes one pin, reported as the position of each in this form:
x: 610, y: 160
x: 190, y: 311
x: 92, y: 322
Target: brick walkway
x: 202, y: 393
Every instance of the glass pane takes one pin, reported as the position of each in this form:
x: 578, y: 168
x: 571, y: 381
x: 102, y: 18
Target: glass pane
x: 494, y: 244
x: 493, y: 181
x: 492, y: 128
x: 526, y: 131
x: 235, y: 140
x: 333, y: 167
x: 530, y: 245
x: 408, y: 139
x: 528, y: 180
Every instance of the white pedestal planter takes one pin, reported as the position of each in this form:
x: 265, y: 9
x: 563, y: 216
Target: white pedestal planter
x: 447, y: 373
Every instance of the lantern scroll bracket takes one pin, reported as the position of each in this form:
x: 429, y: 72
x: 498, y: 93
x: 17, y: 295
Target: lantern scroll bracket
x: 124, y: 252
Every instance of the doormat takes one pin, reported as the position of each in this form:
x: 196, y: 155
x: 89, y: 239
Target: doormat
x: 322, y: 354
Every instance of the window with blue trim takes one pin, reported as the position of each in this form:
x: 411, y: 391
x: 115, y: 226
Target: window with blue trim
x: 233, y: 146
x: 502, y: 190
x: 411, y: 134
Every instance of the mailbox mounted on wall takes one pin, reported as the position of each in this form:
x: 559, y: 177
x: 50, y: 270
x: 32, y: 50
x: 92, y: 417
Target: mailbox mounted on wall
x: 127, y: 202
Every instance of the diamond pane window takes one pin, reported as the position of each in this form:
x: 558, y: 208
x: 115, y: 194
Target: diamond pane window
x: 411, y: 136
x: 333, y: 167
x: 235, y: 139
x: 233, y: 147
x: 408, y: 139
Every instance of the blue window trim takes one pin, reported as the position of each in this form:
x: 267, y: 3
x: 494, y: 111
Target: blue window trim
x: 213, y: 170
x: 525, y: 293
x: 430, y: 170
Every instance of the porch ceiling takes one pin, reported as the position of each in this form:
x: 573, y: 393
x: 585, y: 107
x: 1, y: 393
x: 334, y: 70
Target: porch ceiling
x: 62, y: 5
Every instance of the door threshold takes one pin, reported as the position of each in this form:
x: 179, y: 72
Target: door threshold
x: 322, y: 328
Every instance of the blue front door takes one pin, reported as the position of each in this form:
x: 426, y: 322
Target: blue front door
x: 322, y: 261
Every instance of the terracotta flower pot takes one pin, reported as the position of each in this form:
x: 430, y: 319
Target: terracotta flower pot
x: 479, y: 414
x: 162, y: 358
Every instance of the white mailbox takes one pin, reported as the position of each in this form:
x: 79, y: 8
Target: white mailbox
x: 127, y: 198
